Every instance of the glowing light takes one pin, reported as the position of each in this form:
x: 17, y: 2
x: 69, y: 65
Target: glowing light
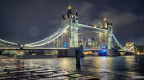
x: 138, y: 53
x: 21, y: 45
x: 69, y: 7
x: 33, y: 54
x: 95, y: 26
x: 72, y: 15
x: 20, y: 52
x: 104, y: 50
x: 76, y: 17
x: 105, y: 19
x: 105, y: 25
x: 65, y: 31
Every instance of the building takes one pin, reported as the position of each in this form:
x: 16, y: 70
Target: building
x: 89, y: 42
x: 95, y: 43
x: 130, y: 45
x: 80, y: 39
x: 84, y: 41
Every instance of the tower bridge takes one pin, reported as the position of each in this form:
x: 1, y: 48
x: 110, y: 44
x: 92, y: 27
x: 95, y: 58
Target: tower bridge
x: 67, y: 36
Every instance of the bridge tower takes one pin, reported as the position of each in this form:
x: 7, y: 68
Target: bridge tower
x: 74, y: 31
x: 110, y: 35
x: 105, y: 38
x: 71, y: 35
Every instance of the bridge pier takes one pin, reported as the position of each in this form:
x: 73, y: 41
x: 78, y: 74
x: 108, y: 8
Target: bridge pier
x: 126, y: 53
x: 112, y: 52
x: 62, y: 53
x: 70, y: 52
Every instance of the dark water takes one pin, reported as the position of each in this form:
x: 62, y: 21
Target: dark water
x: 102, y: 67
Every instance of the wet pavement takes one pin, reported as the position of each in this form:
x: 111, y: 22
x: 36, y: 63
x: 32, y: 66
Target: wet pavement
x: 92, y: 68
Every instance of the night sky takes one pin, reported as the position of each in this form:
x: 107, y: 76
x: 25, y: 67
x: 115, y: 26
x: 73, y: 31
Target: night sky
x: 26, y: 21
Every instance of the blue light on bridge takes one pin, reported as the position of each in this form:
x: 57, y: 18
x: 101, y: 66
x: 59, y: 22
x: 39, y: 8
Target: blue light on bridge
x: 104, y: 47
x: 104, y: 51
x: 65, y: 45
x: 79, y: 49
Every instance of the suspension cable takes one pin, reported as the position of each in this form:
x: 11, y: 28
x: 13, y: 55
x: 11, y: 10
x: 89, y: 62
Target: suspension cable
x: 117, y: 42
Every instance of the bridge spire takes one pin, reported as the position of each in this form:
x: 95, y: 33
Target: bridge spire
x: 63, y: 16
x: 76, y: 15
x: 69, y: 7
x: 69, y: 11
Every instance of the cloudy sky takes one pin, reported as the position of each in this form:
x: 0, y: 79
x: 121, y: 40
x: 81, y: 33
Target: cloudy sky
x: 26, y: 21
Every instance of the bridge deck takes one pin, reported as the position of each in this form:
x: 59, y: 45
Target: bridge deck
x: 33, y: 48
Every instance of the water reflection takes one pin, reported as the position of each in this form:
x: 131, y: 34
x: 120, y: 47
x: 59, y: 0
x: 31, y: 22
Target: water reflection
x: 103, y: 67
x: 67, y: 63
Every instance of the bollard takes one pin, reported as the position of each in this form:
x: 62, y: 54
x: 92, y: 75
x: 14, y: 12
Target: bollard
x: 77, y: 56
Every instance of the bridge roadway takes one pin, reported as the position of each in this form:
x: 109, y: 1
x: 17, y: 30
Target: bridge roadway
x: 40, y: 48
x: 34, y: 48
x: 102, y: 49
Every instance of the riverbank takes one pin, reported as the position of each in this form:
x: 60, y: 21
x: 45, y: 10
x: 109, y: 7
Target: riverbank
x: 4, y: 57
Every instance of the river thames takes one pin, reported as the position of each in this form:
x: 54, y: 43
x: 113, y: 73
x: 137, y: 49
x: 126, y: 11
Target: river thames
x: 101, y: 67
